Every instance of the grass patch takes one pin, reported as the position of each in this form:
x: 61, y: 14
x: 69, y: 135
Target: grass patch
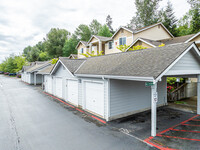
x: 180, y: 102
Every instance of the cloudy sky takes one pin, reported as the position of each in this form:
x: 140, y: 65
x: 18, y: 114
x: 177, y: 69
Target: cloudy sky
x: 25, y: 22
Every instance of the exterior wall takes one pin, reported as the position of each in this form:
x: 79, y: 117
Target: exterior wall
x: 188, y: 63
x: 191, y: 89
x: 85, y: 49
x: 154, y: 33
x: 129, y: 97
x: 129, y: 40
x: 143, y: 44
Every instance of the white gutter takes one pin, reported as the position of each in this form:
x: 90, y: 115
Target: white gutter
x: 147, y: 79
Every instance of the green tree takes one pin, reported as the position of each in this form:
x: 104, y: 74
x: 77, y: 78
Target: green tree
x: 146, y: 14
x: 195, y: 22
x: 168, y: 18
x: 104, y: 31
x: 43, y: 56
x: 95, y: 26
x: 109, y: 23
x: 19, y: 61
x: 70, y: 46
x: 83, y: 32
x: 55, y: 41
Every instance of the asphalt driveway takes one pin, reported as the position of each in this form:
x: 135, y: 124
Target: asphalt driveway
x: 29, y: 120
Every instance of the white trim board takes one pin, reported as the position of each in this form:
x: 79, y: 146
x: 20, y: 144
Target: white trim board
x: 137, y: 41
x: 192, y: 37
x: 59, y: 61
x: 149, y: 79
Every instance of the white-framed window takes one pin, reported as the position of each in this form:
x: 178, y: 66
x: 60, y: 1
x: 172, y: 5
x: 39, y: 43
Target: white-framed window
x: 82, y: 50
x: 110, y: 45
x: 122, y: 41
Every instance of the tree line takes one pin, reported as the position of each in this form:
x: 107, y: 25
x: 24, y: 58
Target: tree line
x: 61, y: 42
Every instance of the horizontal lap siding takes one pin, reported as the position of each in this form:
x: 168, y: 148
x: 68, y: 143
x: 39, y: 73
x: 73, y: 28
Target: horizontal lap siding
x: 130, y: 96
x: 187, y: 62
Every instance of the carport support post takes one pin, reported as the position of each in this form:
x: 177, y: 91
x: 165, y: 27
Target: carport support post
x: 153, y: 109
x: 198, y: 94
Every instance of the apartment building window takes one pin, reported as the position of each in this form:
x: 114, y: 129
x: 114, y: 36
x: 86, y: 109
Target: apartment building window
x: 111, y: 45
x: 82, y: 50
x: 122, y: 41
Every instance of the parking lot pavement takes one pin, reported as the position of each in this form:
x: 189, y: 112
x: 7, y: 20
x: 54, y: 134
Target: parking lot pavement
x: 184, y: 136
x: 30, y: 120
x: 176, y: 129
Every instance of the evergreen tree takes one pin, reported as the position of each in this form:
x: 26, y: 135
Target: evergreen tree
x: 83, y: 32
x: 169, y: 19
x: 109, y: 23
x: 147, y: 13
x: 104, y: 31
x: 95, y: 27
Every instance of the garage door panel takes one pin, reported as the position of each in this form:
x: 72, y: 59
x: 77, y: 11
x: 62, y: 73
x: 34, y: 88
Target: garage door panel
x: 58, y: 87
x: 94, y: 95
x: 73, y: 91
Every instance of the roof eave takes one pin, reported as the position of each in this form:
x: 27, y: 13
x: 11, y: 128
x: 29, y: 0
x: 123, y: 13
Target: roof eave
x: 133, y: 78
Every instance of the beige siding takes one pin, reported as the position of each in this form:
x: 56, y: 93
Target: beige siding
x: 154, y: 33
x: 85, y: 49
x: 197, y: 38
x: 94, y: 40
x: 121, y: 33
x: 143, y: 44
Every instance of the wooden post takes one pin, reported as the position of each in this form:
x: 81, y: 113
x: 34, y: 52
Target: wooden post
x: 154, y: 98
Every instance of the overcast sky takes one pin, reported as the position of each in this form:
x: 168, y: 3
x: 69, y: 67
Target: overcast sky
x: 25, y: 22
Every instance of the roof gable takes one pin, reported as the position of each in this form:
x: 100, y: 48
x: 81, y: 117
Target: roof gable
x: 121, y: 27
x: 71, y: 65
x: 151, y: 26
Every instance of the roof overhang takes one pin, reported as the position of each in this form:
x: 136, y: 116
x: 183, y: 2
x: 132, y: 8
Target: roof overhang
x: 133, y: 78
x: 139, y: 39
x: 192, y: 37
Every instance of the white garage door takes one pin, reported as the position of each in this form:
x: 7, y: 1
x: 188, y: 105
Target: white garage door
x: 94, y: 97
x: 59, y: 87
x: 49, y: 84
x: 73, y: 91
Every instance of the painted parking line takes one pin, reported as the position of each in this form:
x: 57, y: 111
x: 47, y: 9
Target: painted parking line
x: 96, y: 118
x: 149, y: 140
x: 185, y: 130
x: 191, y: 125
x: 175, y: 137
x: 195, y: 119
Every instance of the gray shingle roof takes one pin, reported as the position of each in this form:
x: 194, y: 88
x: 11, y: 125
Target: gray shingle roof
x: 180, y: 39
x: 71, y: 64
x: 156, y: 43
x: 141, y: 63
x: 85, y: 43
x: 46, y: 70
x: 38, y: 65
x: 102, y: 38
